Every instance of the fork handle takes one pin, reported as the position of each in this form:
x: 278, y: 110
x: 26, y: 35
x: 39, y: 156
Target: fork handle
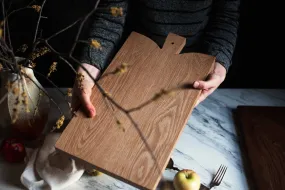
x: 211, y: 186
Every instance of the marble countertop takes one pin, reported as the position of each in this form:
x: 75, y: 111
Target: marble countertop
x: 209, y: 139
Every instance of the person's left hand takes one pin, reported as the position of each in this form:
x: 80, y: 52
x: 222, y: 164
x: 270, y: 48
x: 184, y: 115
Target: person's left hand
x: 212, y: 83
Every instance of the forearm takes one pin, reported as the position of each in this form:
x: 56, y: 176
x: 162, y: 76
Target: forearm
x: 106, y: 29
x: 221, y: 32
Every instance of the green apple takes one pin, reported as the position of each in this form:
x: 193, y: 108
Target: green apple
x: 186, y: 180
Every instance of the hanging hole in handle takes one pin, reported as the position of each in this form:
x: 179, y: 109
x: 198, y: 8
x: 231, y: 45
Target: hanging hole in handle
x: 172, y: 43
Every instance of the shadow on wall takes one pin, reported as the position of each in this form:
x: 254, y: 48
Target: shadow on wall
x: 258, y: 58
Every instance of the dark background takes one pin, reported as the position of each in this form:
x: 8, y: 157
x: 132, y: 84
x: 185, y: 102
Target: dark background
x: 259, y: 55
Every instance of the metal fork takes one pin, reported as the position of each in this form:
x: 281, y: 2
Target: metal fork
x: 216, y: 181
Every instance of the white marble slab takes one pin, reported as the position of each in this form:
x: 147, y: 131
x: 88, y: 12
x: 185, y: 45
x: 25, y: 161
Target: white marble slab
x: 208, y: 140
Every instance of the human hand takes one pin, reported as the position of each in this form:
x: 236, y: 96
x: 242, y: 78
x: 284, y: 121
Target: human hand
x: 81, y: 95
x: 212, y: 83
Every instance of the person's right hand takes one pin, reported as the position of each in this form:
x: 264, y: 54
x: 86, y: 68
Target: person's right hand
x: 81, y: 95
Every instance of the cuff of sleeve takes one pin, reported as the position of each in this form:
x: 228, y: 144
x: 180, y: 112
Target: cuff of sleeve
x: 223, y: 60
x: 96, y: 57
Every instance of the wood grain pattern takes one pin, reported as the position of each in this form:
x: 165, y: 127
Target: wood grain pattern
x: 263, y: 131
x: 100, y: 142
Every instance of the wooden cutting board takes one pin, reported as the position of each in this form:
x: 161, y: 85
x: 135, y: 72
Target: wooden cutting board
x: 120, y: 151
x: 263, y: 132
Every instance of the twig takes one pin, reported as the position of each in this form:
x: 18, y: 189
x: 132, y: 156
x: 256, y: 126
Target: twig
x: 64, y: 29
x: 51, y: 99
x: 28, y: 92
x: 9, y: 38
x: 3, y: 12
x: 17, y: 10
x: 81, y: 26
x: 52, y: 83
x: 6, y: 26
x: 3, y: 98
x: 105, y: 95
x: 39, y: 20
x: 145, y: 142
x: 59, y: 55
x: 69, y: 57
x: 9, y: 63
x: 154, y: 98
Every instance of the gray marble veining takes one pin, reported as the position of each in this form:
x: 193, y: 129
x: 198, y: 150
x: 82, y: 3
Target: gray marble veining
x: 208, y: 140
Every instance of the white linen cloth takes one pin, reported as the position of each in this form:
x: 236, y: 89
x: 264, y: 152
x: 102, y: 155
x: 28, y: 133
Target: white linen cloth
x: 48, y: 169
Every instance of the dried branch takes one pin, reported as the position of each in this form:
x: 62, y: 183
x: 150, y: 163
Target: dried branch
x: 81, y: 26
x: 4, y: 16
x: 127, y: 113
x: 6, y: 61
x: 68, y: 58
x: 61, y: 56
x: 50, y: 98
x: 63, y: 30
x: 52, y: 83
x: 26, y: 87
x: 39, y: 20
x: 20, y: 9
x: 3, y: 98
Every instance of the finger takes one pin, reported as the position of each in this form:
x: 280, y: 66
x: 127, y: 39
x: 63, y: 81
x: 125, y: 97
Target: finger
x: 87, y: 104
x: 212, y: 82
x: 204, y: 95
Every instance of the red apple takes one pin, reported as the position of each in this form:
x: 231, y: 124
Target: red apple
x: 13, y: 150
x: 186, y: 180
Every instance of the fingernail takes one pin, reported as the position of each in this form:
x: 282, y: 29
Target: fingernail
x: 196, y: 84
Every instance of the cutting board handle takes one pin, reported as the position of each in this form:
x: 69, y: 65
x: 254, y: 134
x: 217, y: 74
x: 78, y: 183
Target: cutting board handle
x: 173, y: 44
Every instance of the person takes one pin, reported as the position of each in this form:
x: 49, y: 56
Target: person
x: 210, y: 27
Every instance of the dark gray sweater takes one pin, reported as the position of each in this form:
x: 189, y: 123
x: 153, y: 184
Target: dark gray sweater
x: 210, y: 26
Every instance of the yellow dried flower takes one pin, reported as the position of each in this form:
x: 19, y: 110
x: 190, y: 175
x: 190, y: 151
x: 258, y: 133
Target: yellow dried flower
x: 116, y: 11
x: 16, y: 111
x: 119, y: 123
x: 15, y: 91
x: 33, y: 64
x: 24, y: 94
x: 1, y: 66
x: 80, y: 78
x: 121, y: 69
x: 95, y: 44
x: 39, y: 52
x: 9, y: 85
x: 15, y: 115
x: 25, y: 101
x: 107, y: 93
x: 1, y: 32
x: 162, y: 93
x: 60, y: 122
x: 52, y: 68
x: 37, y: 8
x: 93, y: 172
x: 41, y: 93
x: 69, y: 92
x: 23, y: 48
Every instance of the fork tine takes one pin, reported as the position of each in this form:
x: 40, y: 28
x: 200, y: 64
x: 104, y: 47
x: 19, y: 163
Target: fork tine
x: 222, y: 175
x: 217, y: 173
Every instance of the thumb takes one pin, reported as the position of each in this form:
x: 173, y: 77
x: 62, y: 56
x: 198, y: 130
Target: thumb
x: 87, y: 104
